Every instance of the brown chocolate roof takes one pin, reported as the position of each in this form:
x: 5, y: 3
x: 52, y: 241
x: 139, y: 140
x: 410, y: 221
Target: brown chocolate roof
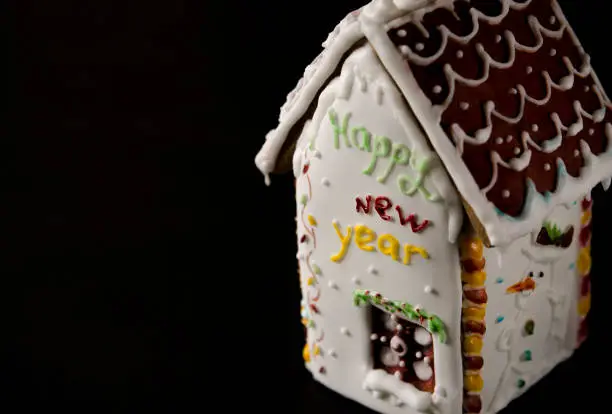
x: 515, y: 93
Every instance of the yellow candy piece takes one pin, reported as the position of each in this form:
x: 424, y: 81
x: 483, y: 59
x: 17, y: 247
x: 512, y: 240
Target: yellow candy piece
x: 473, y: 383
x: 584, y: 305
x: 472, y: 344
x: 584, y: 261
x: 472, y: 248
x: 312, y: 221
x: 474, y: 278
x: 586, y: 217
x: 316, y: 350
x: 306, y: 353
x: 311, y: 281
x: 474, y: 313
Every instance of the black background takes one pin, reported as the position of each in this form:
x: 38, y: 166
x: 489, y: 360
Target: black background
x: 143, y: 260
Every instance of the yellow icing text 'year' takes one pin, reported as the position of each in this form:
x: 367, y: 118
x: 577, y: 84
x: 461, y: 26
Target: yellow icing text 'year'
x: 367, y: 240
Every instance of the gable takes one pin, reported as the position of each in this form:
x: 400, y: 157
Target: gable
x: 299, y: 101
x: 509, y: 101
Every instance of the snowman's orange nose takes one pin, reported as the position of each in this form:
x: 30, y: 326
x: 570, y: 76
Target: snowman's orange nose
x: 523, y: 285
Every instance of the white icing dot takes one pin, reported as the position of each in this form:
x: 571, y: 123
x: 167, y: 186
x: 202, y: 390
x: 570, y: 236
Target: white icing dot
x: 402, y: 33
x: 398, y: 374
x: 513, y: 91
x: 372, y: 270
x: 459, y: 54
x: 517, y: 150
x: 404, y: 49
x: 535, y: 127
x: 428, y: 289
x: 344, y: 331
x: 419, y: 46
x: 505, y: 194
x: 374, y: 337
x: 332, y: 353
x: 393, y: 317
x: 325, y: 182
x: 587, y: 88
x: 422, y: 371
x: 552, y: 20
x: 464, y: 105
x: 437, y: 89
x: 422, y: 337
x: 332, y: 284
x: 383, y: 339
x: 377, y: 394
x: 402, y: 363
x: 499, y: 140
x: 553, y: 52
x: 547, y: 167
x: 419, y: 355
x: 498, y: 38
x: 591, y: 131
x: 509, y: 138
x: 399, y: 327
x: 576, y: 153
x: 529, y: 69
x: 427, y: 360
x: 356, y: 281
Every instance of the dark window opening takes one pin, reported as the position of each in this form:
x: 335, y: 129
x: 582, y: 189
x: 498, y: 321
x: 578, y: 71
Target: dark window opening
x: 403, y: 349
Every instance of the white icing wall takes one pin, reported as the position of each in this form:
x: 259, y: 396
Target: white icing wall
x: 329, y: 189
x: 551, y: 305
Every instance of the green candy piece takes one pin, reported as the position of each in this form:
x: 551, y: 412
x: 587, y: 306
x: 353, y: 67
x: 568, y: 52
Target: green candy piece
x: 521, y: 383
x: 526, y: 355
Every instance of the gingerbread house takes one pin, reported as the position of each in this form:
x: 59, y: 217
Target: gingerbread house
x: 444, y: 153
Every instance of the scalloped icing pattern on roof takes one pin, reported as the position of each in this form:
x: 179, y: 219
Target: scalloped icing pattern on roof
x: 508, y: 81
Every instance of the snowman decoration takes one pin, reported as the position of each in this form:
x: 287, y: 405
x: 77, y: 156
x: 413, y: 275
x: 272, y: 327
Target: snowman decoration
x: 538, y: 332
